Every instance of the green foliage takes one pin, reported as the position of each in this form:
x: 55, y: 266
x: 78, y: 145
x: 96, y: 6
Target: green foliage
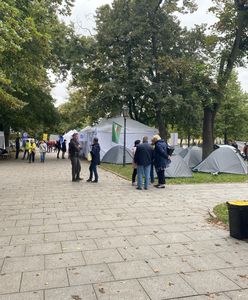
x: 221, y: 212
x: 197, y: 178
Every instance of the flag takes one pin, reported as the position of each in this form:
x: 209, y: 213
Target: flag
x: 116, y: 131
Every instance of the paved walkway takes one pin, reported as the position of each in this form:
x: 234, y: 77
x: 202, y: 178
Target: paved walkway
x: 63, y: 241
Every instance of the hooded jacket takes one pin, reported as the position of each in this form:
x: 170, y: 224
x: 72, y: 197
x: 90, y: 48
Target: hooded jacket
x: 95, y: 153
x: 160, y: 154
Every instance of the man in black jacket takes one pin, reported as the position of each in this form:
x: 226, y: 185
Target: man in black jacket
x: 74, y: 149
x: 143, y: 159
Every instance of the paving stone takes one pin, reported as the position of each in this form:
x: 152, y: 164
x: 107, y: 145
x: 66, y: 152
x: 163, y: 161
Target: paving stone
x: 44, y: 229
x: 215, y: 296
x: 60, y: 236
x: 126, y: 223
x: 5, y: 240
x: 43, y: 215
x: 83, y: 219
x: 89, y: 274
x: 112, y: 242
x: 13, y: 231
x: 52, y: 221
x: 209, y: 282
x: 202, y: 235
x: 83, y: 292
x: 120, y: 290
x: 238, y: 295
x: 131, y: 269
x: 23, y: 296
x: 203, y: 262
x: 62, y: 260
x: 78, y: 245
x: 135, y: 253
x: 171, y: 250
x: 91, y: 234
x: 46, y: 248
x: 173, y: 237
x: 121, y: 231
x: 23, y: 264
x: 10, y: 283
x: 72, y: 227
x: 12, y: 251
x: 140, y: 240
x: 170, y: 265
x: 235, y: 258
x: 166, y: 287
x: 7, y: 223
x: 201, y: 247
x: 102, y: 256
x: 33, y: 222
x: 148, y: 229
x: 27, y: 239
x: 47, y: 279
x: 237, y: 275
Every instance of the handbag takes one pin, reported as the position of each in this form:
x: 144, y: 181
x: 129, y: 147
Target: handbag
x: 170, y: 150
x: 89, y: 157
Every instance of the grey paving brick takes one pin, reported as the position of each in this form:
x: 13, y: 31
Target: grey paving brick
x: 238, y: 295
x: 171, y: 250
x: 237, y: 275
x: 23, y: 264
x: 36, y: 295
x: 120, y: 231
x: 46, y: 248
x: 47, y: 279
x: 78, y: 245
x: 62, y: 260
x: 102, y: 256
x: 27, y: 239
x: 89, y: 274
x: 33, y: 222
x: 166, y: 287
x: 120, y: 290
x: 173, y: 237
x: 83, y: 292
x: 91, y: 234
x: 10, y: 283
x: 111, y: 242
x: 209, y: 282
x: 60, y: 236
x: 131, y: 269
x: 135, y: 253
x: 5, y: 240
x: 83, y: 219
x: 13, y: 231
x: 44, y: 229
x: 52, y: 221
x: 12, y: 251
x: 72, y: 227
x: 142, y: 240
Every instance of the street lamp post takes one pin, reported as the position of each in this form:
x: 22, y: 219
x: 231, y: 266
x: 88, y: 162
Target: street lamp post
x: 125, y: 111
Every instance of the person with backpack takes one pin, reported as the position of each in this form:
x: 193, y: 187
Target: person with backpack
x: 161, y: 159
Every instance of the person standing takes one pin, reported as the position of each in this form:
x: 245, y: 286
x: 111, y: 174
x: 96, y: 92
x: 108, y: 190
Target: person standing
x: 63, y: 148
x: 43, y: 151
x: 17, y: 146
x: 95, y: 161
x: 161, y: 159
x: 58, y: 147
x: 245, y: 150
x: 31, y: 152
x: 143, y: 159
x: 74, y: 149
x: 136, y: 143
x: 26, y: 149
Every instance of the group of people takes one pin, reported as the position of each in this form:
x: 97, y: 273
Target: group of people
x: 146, y: 157
x: 74, y: 150
x: 30, y: 147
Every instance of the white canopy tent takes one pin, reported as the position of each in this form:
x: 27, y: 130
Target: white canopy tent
x: 134, y: 131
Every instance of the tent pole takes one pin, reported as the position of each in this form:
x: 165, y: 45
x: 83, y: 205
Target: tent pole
x: 124, y: 148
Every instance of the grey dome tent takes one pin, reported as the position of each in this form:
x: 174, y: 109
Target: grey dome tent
x: 115, y: 155
x: 177, y: 168
x: 223, y: 160
x: 193, y: 157
x: 184, y: 152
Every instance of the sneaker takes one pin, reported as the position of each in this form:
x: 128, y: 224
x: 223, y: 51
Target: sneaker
x: 133, y: 183
x: 138, y: 188
x: 74, y: 180
x: 88, y: 180
x: 94, y: 181
x: 79, y: 178
x: 160, y: 186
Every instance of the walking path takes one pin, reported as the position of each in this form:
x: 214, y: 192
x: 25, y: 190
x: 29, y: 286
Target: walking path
x: 61, y: 240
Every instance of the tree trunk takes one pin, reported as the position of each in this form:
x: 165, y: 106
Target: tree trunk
x: 189, y: 138
x: 6, y: 136
x: 161, y: 126
x: 208, y: 131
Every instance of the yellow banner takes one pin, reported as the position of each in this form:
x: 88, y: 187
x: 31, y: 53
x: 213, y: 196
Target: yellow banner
x: 44, y: 138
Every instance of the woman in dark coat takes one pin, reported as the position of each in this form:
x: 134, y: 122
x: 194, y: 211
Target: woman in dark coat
x: 161, y: 159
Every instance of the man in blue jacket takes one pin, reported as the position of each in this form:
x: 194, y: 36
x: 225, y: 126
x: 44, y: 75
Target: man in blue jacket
x: 143, y: 159
x: 95, y: 161
x: 161, y: 159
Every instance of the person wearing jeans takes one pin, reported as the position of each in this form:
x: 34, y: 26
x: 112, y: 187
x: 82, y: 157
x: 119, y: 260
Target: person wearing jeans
x: 143, y: 159
x: 95, y: 161
x: 43, y: 150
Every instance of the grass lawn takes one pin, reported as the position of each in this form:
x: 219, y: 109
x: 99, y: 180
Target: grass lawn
x: 221, y: 212
x: 126, y: 172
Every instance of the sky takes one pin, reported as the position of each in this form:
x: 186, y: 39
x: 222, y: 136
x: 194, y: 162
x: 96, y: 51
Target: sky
x: 83, y: 17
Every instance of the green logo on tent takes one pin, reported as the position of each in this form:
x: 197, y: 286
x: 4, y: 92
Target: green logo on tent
x: 116, y: 131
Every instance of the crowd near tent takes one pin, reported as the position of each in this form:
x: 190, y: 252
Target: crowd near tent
x: 2, y: 140
x: 223, y: 160
x: 134, y: 131
x: 193, y: 156
x: 115, y: 155
x: 177, y: 168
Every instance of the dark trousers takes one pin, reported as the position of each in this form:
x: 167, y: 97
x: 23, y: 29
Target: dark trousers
x: 161, y: 177
x: 75, y: 167
x: 24, y: 154
x: 134, y: 175
x: 152, y: 174
x: 58, y: 152
x: 31, y: 156
x: 17, y: 153
x: 93, y: 170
